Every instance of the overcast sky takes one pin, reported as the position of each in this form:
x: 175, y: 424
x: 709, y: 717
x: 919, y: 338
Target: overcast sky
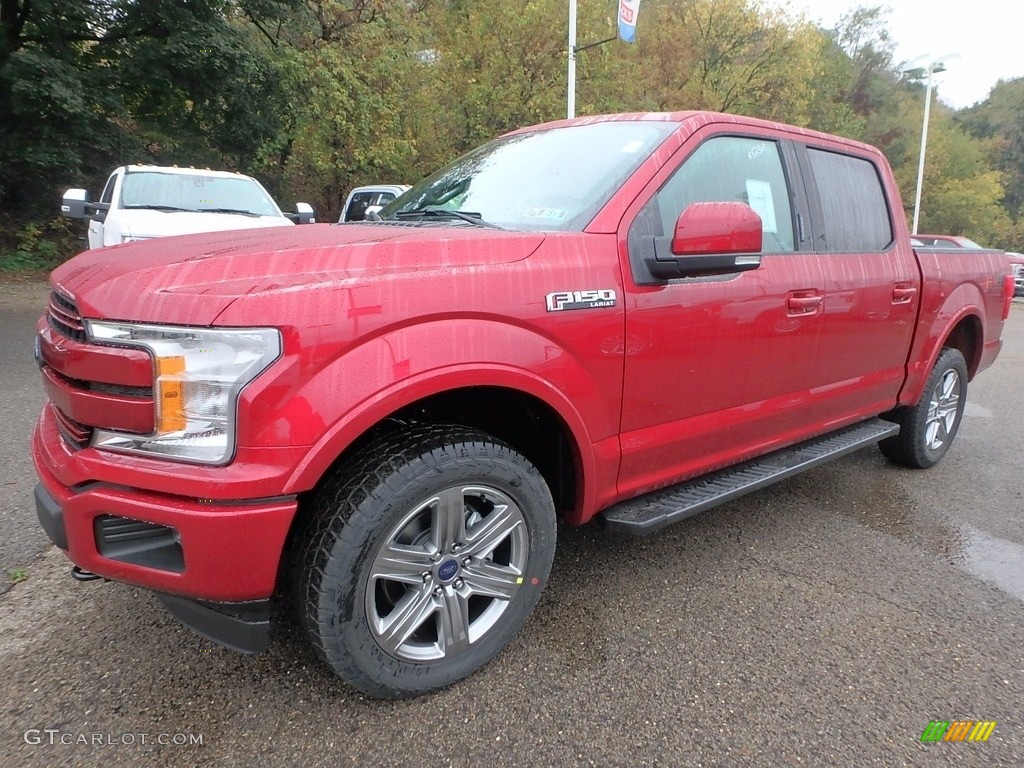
x: 981, y: 41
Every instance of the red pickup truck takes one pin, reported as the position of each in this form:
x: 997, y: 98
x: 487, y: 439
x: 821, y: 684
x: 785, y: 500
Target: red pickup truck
x: 631, y: 317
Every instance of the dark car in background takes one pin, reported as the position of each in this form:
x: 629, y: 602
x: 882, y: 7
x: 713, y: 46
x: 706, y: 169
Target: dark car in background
x: 1017, y: 265
x: 945, y: 241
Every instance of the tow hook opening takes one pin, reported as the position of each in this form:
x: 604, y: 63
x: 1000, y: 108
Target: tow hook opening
x: 80, y: 574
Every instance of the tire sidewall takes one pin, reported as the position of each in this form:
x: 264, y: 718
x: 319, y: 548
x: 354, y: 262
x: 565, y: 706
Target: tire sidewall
x: 346, y: 633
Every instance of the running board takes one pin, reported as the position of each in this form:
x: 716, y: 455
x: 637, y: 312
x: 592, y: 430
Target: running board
x: 653, y: 511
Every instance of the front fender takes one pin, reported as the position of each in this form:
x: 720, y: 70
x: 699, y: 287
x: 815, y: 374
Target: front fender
x: 382, y: 375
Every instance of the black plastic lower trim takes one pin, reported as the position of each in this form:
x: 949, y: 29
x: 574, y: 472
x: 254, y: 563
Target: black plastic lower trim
x: 140, y: 543
x: 51, y: 517
x: 653, y: 511
x: 243, y: 627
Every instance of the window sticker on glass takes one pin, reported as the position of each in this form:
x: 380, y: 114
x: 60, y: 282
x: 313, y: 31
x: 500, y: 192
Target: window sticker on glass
x: 632, y: 146
x: 555, y: 214
x: 759, y: 197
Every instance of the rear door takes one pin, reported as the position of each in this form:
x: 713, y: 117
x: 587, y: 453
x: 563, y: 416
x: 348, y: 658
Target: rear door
x: 871, y: 280
x: 718, y: 368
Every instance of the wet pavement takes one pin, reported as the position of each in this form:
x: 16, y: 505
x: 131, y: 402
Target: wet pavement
x: 822, y: 622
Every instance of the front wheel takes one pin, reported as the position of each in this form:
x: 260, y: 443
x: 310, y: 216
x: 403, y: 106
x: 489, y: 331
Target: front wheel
x: 428, y: 552
x: 928, y: 428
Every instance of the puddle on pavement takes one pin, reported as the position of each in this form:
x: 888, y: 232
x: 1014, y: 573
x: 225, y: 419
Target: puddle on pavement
x: 973, y: 409
x: 997, y: 561
x: 863, y: 489
x: 876, y: 500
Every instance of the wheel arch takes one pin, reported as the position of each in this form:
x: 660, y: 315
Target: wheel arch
x: 958, y: 324
x: 966, y: 336
x: 514, y: 406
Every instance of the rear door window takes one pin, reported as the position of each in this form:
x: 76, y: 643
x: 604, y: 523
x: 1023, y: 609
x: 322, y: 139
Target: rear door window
x: 854, y: 214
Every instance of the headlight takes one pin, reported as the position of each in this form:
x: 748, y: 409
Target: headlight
x: 198, y: 373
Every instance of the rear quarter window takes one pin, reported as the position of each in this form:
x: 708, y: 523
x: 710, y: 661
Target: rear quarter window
x: 855, y: 214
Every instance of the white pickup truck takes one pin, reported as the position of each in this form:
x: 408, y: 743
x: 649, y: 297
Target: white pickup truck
x: 140, y: 202
x: 362, y: 200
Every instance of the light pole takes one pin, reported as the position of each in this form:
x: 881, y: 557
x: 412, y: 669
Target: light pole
x: 935, y: 66
x: 573, y: 50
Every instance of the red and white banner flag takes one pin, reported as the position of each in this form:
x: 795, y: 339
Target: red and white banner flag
x: 628, y: 11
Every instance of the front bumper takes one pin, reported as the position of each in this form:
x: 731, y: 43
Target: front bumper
x: 214, y: 563
x: 240, y: 625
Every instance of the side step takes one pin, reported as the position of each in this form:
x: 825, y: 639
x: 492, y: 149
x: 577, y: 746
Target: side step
x: 653, y: 511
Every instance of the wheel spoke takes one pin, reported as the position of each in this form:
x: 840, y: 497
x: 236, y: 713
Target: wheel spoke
x: 453, y: 629
x: 949, y: 382
x: 404, y: 564
x: 448, y: 523
x: 409, y: 613
x: 491, y: 580
x: 493, y: 529
x: 948, y: 417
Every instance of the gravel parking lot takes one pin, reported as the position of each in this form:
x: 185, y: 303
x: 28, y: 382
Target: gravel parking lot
x: 823, y: 622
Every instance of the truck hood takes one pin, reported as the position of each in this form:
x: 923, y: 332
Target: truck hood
x: 191, y: 279
x: 144, y: 224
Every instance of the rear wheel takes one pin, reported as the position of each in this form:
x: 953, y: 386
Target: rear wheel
x: 426, y: 555
x: 928, y: 428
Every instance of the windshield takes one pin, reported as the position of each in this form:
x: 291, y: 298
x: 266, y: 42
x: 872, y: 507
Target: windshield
x: 193, y: 192
x: 551, y: 179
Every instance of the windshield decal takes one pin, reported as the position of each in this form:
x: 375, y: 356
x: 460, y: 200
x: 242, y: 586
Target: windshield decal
x: 555, y: 214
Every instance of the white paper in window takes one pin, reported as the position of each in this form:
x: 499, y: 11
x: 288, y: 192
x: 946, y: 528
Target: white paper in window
x: 759, y: 197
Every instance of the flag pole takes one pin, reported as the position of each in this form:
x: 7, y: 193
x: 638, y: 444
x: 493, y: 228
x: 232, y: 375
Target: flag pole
x: 571, y: 99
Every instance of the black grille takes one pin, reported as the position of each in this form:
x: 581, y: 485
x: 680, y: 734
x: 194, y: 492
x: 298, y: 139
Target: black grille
x: 64, y: 318
x: 117, y: 390
x: 139, y: 543
x: 77, y: 435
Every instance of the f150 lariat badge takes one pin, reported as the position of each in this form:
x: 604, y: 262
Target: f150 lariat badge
x: 562, y: 300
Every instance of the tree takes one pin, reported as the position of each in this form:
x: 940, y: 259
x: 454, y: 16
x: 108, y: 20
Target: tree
x: 85, y: 85
x: 352, y: 65
x: 998, y: 121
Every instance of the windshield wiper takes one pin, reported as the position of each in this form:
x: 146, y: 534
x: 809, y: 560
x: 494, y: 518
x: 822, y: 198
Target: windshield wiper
x: 442, y: 213
x: 228, y: 210
x: 165, y: 208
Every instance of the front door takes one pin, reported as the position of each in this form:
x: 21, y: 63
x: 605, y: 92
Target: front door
x: 717, y: 368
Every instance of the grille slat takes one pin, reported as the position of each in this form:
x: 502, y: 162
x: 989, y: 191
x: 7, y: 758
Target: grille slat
x: 82, y: 405
x: 63, y: 317
x: 77, y: 435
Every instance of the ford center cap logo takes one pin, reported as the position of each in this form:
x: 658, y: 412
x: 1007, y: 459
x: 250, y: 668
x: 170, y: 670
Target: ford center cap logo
x: 447, y: 570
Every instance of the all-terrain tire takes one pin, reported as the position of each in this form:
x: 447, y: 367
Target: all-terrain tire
x: 425, y: 554
x: 927, y: 429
